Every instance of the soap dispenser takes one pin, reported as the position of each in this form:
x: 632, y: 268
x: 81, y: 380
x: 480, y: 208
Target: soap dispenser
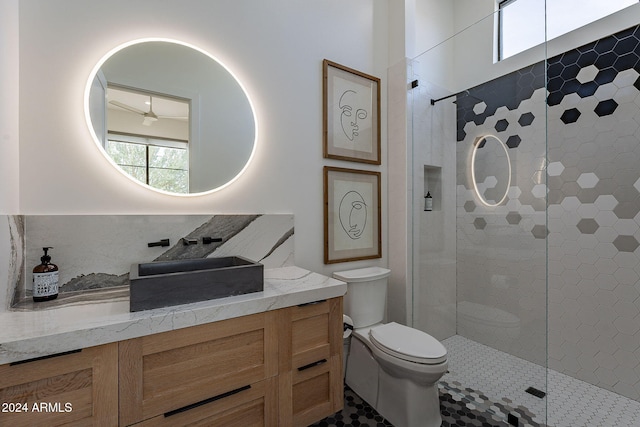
x: 428, y: 202
x: 45, y: 279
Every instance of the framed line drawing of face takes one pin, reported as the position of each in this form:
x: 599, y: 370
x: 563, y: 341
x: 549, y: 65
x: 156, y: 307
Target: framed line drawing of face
x: 352, y: 209
x: 351, y: 114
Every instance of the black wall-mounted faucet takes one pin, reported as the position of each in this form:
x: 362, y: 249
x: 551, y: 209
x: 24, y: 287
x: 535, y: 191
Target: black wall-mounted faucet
x: 186, y: 241
x: 163, y: 242
x: 209, y: 240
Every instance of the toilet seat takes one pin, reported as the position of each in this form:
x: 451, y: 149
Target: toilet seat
x: 408, y: 344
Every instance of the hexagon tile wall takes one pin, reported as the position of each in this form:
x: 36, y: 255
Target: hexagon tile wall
x: 591, y: 184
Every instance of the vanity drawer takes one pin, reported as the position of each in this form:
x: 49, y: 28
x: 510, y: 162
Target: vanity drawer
x: 164, y: 372
x: 310, y: 327
x: 317, y: 391
x: 315, y: 332
x: 79, y: 388
x: 250, y: 406
x: 311, y: 385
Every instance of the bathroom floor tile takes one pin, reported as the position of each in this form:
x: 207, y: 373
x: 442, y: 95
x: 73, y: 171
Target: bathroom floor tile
x: 484, y: 386
x: 356, y: 412
x: 455, y: 412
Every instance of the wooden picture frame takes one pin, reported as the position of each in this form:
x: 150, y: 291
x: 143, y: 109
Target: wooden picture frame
x: 351, y: 114
x: 352, y: 215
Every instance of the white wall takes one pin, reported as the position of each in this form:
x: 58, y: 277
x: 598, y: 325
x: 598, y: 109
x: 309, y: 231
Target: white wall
x: 9, y: 199
x: 434, y: 23
x: 275, y: 48
x: 415, y: 24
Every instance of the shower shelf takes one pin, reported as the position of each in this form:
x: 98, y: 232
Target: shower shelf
x: 433, y: 184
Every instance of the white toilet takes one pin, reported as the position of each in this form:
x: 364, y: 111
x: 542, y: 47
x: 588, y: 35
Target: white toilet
x: 393, y: 367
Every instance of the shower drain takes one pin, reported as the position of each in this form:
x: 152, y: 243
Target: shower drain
x: 537, y: 393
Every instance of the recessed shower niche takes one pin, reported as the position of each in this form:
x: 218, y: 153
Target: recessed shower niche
x: 433, y: 185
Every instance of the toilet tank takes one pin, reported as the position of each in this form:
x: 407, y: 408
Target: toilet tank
x: 366, y: 294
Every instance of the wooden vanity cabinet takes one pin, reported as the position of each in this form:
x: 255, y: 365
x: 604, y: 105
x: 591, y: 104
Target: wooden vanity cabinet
x: 72, y: 388
x: 310, y: 373
x: 219, y: 373
x: 279, y: 368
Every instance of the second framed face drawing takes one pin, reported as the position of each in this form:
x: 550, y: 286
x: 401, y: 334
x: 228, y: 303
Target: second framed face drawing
x: 352, y: 227
x: 351, y: 114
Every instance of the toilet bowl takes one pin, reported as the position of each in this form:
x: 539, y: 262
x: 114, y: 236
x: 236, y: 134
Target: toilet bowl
x: 393, y: 367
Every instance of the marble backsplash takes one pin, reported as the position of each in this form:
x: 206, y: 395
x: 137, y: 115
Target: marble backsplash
x: 94, y: 253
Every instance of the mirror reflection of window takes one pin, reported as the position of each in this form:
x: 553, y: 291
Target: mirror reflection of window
x: 162, y: 164
x: 148, y: 137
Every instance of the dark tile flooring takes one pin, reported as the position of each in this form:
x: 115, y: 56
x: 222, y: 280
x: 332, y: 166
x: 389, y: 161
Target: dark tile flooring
x: 356, y: 412
x: 455, y: 412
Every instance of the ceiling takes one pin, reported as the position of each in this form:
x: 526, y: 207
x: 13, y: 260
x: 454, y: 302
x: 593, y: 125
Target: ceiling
x: 163, y: 106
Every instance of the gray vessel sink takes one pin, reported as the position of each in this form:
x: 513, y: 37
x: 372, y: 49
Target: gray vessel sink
x: 167, y: 283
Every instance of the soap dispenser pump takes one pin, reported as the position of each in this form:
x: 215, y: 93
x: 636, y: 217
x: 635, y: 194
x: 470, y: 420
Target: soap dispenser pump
x: 45, y: 279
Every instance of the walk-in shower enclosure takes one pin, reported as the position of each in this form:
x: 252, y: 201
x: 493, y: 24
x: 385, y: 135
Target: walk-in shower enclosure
x: 532, y: 245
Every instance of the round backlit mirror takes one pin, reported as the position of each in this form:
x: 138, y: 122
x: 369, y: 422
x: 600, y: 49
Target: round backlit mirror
x: 490, y: 170
x: 170, y: 117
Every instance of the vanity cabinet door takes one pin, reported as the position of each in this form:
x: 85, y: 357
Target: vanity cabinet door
x: 73, y: 388
x: 311, y: 385
x: 172, y: 372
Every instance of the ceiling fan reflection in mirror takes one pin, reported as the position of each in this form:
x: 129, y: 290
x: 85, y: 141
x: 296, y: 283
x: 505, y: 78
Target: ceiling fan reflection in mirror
x: 143, y: 105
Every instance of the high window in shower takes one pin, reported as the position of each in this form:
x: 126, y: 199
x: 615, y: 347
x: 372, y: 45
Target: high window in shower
x: 522, y: 22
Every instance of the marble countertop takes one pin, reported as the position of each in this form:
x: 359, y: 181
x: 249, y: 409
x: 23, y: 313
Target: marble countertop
x: 30, y: 334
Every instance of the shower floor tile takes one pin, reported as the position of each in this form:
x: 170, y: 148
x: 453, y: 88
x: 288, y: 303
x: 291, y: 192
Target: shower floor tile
x: 497, y: 381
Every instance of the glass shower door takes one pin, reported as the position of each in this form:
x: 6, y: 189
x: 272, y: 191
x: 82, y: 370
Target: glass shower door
x: 480, y: 254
